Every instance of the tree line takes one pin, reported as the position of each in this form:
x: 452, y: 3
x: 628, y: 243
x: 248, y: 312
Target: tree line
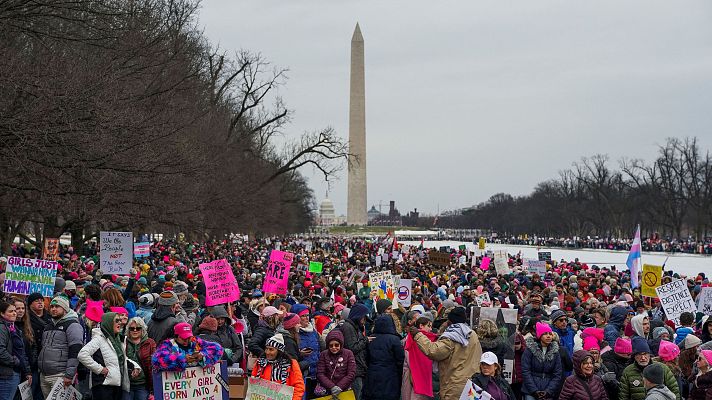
x: 121, y: 115
x: 671, y: 196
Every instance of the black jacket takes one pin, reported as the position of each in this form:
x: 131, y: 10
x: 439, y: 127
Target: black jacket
x: 385, y: 362
x: 259, y: 338
x: 482, y: 381
x: 615, y: 363
x: 357, y: 342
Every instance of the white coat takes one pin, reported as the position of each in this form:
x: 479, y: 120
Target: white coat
x: 99, y: 342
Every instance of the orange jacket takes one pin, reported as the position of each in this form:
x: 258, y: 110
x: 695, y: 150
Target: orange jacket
x: 294, y: 378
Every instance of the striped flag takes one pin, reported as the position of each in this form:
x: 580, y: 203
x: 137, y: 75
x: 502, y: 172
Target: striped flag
x: 633, y: 261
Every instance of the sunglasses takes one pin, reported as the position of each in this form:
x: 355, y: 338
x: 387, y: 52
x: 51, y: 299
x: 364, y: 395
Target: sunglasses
x: 134, y: 329
x: 334, y: 345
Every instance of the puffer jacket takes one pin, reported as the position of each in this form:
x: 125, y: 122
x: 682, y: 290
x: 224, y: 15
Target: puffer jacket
x: 160, y: 327
x: 702, y: 387
x: 294, y: 378
x: 615, y: 363
x: 357, y: 342
x: 613, y: 329
x: 336, y: 369
x: 660, y: 392
x: 566, y: 337
x: 632, y: 387
x: 581, y: 387
x: 385, y: 361
x: 540, y: 371
x: 61, y: 342
x: 8, y: 362
x: 259, y: 338
x: 98, y: 354
x: 309, y: 339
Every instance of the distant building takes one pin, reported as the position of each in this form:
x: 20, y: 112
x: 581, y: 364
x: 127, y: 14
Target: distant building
x: 327, y: 215
x: 373, y: 214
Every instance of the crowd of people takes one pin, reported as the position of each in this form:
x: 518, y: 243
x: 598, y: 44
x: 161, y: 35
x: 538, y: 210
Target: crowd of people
x: 650, y: 244
x: 581, y: 332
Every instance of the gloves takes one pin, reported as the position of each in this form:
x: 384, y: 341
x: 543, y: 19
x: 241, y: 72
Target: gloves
x: 335, y: 390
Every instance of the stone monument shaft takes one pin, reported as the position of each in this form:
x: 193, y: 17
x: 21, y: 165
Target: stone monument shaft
x: 356, y: 209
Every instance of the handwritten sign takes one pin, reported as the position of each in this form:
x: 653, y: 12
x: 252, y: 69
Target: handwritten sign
x: 194, y: 383
x: 484, y: 265
x: 652, y: 278
x: 260, y: 389
x: 315, y: 266
x: 27, y: 275
x: 704, y: 301
x: 675, y: 299
x: 59, y: 392
x: 544, y: 256
x: 439, y: 258
x: 277, y: 273
x: 116, y: 252
x: 142, y: 249
x: 25, y: 390
x: 534, y: 266
x: 501, y: 262
x: 481, y: 244
x: 483, y: 299
x: 51, y: 249
x: 220, y: 284
x: 383, y: 281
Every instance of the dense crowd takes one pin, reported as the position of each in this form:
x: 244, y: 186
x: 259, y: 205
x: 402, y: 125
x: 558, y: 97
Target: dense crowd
x: 581, y: 331
x: 651, y: 244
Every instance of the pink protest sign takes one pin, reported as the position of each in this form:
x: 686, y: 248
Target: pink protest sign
x: 277, y: 272
x: 484, y: 265
x: 220, y: 284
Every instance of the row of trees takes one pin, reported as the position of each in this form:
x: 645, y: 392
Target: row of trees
x: 671, y: 195
x: 121, y: 115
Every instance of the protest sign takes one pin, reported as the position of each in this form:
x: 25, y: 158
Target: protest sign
x: 193, y: 383
x: 383, y: 281
x: 116, y: 252
x: 501, y: 262
x: 506, y: 320
x: 51, y: 249
x: 277, y: 272
x: 315, y: 266
x: 439, y: 258
x: 462, y: 247
x: 142, y: 249
x: 379, y: 261
x: 544, y: 256
x: 483, y: 299
x: 220, y: 283
x: 260, y: 389
x: 25, y: 390
x: 27, y: 275
x: 675, y: 299
x: 534, y: 266
x: 485, y: 263
x: 704, y: 301
x: 347, y: 395
x: 356, y: 276
x: 404, y: 292
x: 652, y: 278
x: 482, y: 243
x: 384, y: 257
x: 462, y: 260
x: 59, y: 392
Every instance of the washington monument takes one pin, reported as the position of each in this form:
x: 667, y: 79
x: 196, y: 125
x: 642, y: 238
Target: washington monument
x: 356, y: 209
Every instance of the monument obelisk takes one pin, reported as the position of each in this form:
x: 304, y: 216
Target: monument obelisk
x: 356, y: 209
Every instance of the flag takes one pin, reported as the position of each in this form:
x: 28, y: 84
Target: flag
x: 633, y: 261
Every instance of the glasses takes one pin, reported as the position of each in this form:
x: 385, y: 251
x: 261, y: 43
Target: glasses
x: 134, y: 328
x: 334, y: 345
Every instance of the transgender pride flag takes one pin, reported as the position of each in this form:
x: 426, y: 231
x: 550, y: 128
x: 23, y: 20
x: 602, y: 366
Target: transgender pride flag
x: 633, y: 262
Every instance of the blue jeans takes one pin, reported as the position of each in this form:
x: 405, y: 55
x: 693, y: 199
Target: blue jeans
x: 8, y: 386
x: 136, y: 393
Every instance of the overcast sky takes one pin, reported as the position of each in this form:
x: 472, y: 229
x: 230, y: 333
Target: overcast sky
x: 465, y: 99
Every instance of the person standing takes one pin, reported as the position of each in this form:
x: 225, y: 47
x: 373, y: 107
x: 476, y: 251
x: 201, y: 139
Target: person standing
x: 490, y: 378
x: 104, y: 356
x: 631, y: 387
x: 385, y: 367
x: 276, y: 366
x: 355, y: 340
x: 39, y: 318
x: 139, y: 349
x: 164, y: 318
x: 336, y: 368
x: 13, y: 359
x: 542, y: 369
x: 654, y: 383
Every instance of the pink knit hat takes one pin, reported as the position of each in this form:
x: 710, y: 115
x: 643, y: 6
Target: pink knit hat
x: 94, y: 310
x: 707, y: 354
x: 542, y: 328
x: 623, y: 346
x: 590, y: 342
x: 291, y: 321
x: 668, y: 351
x: 595, y: 332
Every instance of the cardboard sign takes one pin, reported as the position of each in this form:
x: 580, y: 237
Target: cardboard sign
x: 439, y: 258
x: 220, y: 283
x: 544, y: 256
x: 482, y: 243
x: 194, y: 383
x: 51, y: 249
x: 483, y: 299
x: 315, y: 266
x: 116, y: 252
x: 675, y: 299
x: 59, y: 392
x: 26, y: 275
x: 142, y: 249
x: 260, y: 389
x: 383, y: 282
x: 704, y: 301
x: 506, y: 320
x: 652, y: 278
x: 277, y: 272
x: 356, y: 276
x: 534, y: 266
x: 379, y: 261
x: 404, y: 292
x: 501, y: 262
x: 25, y: 390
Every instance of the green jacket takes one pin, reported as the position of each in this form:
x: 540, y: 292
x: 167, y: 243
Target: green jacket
x: 632, y: 387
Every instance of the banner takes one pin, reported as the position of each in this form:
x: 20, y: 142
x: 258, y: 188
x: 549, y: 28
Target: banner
x: 260, y: 389
x: 277, y: 272
x: 220, y: 283
x: 439, y: 258
x: 51, y: 249
x: 544, y: 256
x: 315, y: 266
x: 404, y: 292
x: 675, y: 299
x: 534, y: 267
x: 383, y: 281
x: 194, y: 383
x: 652, y: 278
x: 506, y: 320
x: 116, y: 252
x: 142, y: 249
x: 27, y: 275
x: 704, y: 301
x: 59, y: 392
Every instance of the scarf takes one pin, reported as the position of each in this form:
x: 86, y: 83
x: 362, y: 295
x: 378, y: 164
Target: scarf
x: 458, y: 333
x: 107, y: 328
x: 280, y: 368
x: 10, y: 326
x: 421, y: 367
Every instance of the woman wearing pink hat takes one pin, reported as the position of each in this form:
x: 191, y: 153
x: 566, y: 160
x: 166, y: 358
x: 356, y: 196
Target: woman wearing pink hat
x: 702, y: 382
x: 542, y: 371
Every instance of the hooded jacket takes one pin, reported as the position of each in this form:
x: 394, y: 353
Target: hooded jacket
x: 61, y: 341
x: 637, y: 324
x: 259, y: 338
x: 581, y: 387
x: 356, y: 341
x: 660, y: 392
x: 160, y: 327
x: 632, y: 388
x: 309, y: 339
x: 100, y: 353
x: 541, y: 372
x: 385, y: 361
x: 613, y: 329
x: 336, y: 369
x: 495, y: 345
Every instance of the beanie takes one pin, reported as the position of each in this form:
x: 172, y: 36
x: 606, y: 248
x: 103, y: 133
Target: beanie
x: 209, y: 323
x: 654, y: 373
x: 707, y: 354
x: 167, y: 299
x: 659, y: 331
x: 623, y: 346
x: 640, y: 345
x: 300, y: 309
x: 62, y: 302
x: 542, y: 328
x: 291, y: 321
x: 457, y: 315
x: 691, y: 341
x: 590, y: 342
x: 276, y: 341
x: 587, y: 322
x: 357, y: 312
x: 382, y: 305
x: 94, y: 310
x: 668, y: 351
x: 34, y: 297
x: 595, y: 332
x: 556, y: 314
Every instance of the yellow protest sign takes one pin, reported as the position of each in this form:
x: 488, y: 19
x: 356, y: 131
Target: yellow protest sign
x: 482, y: 243
x: 347, y: 395
x: 652, y: 278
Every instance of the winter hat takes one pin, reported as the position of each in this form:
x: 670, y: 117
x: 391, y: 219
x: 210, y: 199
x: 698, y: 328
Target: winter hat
x: 382, y: 305
x: 335, y: 334
x: 276, y: 341
x: 300, y: 309
x: 183, y: 330
x: 209, y: 323
x: 590, y: 342
x: 557, y: 314
x: 707, y: 354
x: 595, y: 332
x: 640, y: 345
x: 180, y: 287
x: 623, y: 346
x: 419, y: 308
x: 657, y: 332
x: 357, y: 312
x: 587, y: 322
x: 654, y: 373
x: 34, y: 297
x: 668, y: 351
x: 338, y: 308
x: 542, y: 328
x: 457, y: 315
x: 691, y: 341
x: 62, y: 302
x: 70, y: 285
x: 146, y: 299
x: 167, y: 299
x: 291, y: 321
x: 106, y: 285
x: 94, y: 310
x: 119, y: 310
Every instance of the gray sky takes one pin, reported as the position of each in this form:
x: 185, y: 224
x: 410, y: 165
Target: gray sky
x: 465, y: 99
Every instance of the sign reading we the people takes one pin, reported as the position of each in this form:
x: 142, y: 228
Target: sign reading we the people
x: 27, y: 275
x: 277, y: 272
x: 194, y: 383
x: 220, y: 283
x: 116, y: 252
